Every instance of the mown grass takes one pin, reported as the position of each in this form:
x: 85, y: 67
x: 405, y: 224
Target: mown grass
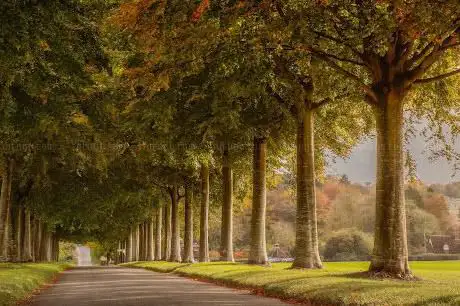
x: 18, y: 281
x: 337, y: 284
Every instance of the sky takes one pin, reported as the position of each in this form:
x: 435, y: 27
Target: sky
x: 360, y: 166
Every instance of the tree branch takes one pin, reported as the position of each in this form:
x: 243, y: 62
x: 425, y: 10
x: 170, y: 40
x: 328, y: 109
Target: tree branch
x: 437, y: 78
x: 339, y: 41
x: 430, y: 58
x: 321, y: 103
x: 291, y: 108
x: 338, y: 58
x: 347, y: 73
x: 453, y: 45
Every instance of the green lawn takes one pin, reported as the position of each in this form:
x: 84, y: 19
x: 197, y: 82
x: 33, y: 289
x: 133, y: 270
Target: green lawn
x: 18, y: 281
x: 336, y: 284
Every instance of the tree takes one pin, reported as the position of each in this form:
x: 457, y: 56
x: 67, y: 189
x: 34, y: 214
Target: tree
x: 392, y: 47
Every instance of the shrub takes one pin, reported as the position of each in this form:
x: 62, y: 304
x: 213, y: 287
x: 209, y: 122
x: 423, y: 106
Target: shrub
x: 348, y: 245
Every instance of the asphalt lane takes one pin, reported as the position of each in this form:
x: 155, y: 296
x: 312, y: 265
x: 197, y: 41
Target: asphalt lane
x: 125, y: 286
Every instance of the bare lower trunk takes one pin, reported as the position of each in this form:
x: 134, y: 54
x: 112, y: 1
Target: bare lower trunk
x: 258, y: 252
x: 129, y: 247
x: 48, y: 257
x: 167, y: 232
x: 146, y: 240
x: 19, y: 233
x: 45, y: 252
x: 55, y: 248
x: 188, y: 230
x: 390, y: 255
x: 226, y: 245
x: 27, y: 246
x: 38, y: 239
x: 142, y: 242
x: 175, y: 235
x: 150, y: 245
x: 158, y: 220
x: 306, y: 247
x: 136, y: 243
x: 204, y: 214
x: 5, y: 203
x: 36, y: 236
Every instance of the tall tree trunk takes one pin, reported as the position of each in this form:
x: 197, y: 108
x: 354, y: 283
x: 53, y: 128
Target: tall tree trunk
x: 48, y: 247
x: 45, y: 254
x: 27, y: 246
x: 5, y: 203
x: 55, y: 247
x: 136, y: 243
x: 36, y: 234
x: 258, y: 252
x: 38, y: 239
x: 167, y: 232
x: 124, y: 247
x: 175, y: 237
x: 141, y: 241
x: 306, y: 247
x: 19, y: 233
x: 390, y: 254
x: 158, y: 221
x: 150, y: 237
x: 226, y: 245
x: 188, y: 231
x: 146, y: 239
x: 129, y: 247
x: 204, y: 214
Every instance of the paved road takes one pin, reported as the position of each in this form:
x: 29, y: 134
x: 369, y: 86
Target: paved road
x: 123, y: 286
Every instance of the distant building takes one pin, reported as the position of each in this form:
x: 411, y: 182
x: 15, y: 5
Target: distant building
x: 437, y: 244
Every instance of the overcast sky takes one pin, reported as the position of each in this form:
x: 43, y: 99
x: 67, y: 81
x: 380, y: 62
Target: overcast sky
x: 360, y: 167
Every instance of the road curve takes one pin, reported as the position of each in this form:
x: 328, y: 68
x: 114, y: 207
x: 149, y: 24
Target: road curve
x: 124, y: 286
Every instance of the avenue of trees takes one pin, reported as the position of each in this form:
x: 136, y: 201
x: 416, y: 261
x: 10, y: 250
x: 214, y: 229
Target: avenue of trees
x: 122, y: 120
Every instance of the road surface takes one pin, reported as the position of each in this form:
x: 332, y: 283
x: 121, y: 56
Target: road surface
x: 124, y: 286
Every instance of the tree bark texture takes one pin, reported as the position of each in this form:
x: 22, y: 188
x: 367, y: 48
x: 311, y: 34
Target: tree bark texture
x: 129, y: 247
x: 27, y: 246
x: 390, y: 254
x: 188, y: 221
x: 175, y: 235
x: 258, y: 251
x: 158, y: 221
x: 306, y: 247
x: 19, y: 233
x: 226, y: 245
x: 150, y: 238
x: 167, y: 232
x: 204, y: 214
x: 5, y: 203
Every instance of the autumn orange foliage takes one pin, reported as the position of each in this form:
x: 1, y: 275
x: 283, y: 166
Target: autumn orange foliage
x: 201, y: 8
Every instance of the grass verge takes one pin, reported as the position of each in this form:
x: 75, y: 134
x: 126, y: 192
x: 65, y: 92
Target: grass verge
x: 19, y: 281
x: 336, y: 284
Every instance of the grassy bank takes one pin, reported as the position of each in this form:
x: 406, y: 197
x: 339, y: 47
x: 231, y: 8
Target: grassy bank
x: 18, y: 281
x: 336, y: 284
